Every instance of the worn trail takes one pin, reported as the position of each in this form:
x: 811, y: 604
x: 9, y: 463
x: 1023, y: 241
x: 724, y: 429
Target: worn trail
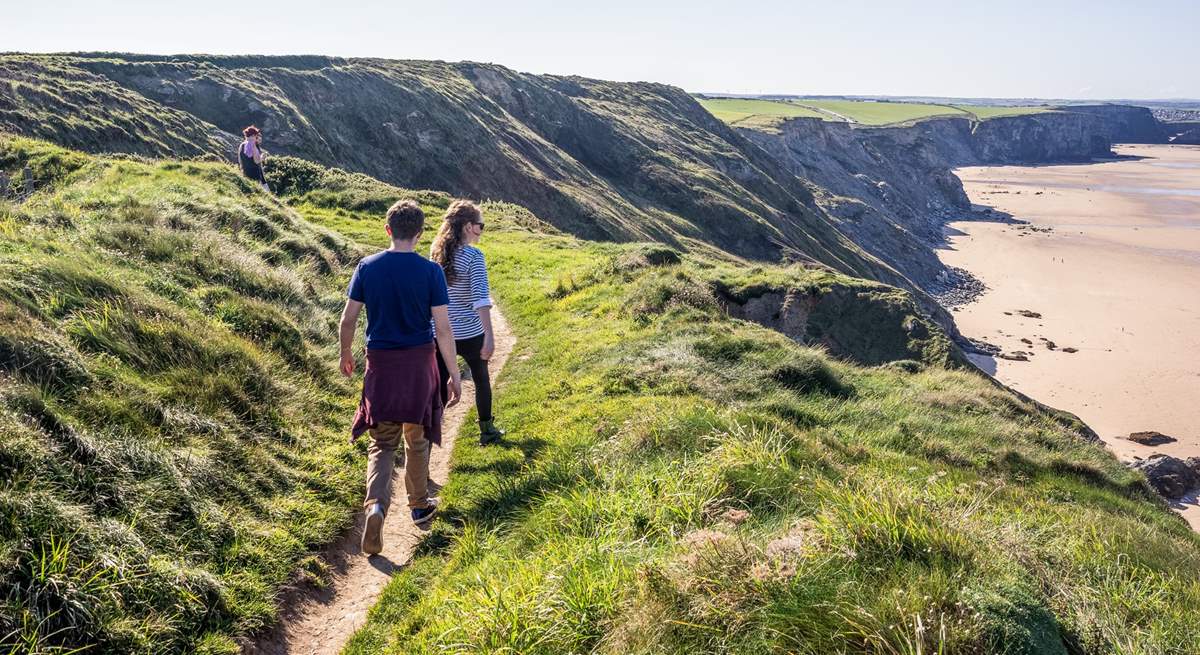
x: 320, y: 621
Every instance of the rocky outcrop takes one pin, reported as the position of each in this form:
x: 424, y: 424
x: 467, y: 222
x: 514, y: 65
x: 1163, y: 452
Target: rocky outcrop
x: 1170, y: 476
x: 870, y: 324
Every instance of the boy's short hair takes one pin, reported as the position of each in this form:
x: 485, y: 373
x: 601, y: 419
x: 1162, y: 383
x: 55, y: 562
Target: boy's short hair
x: 406, y: 219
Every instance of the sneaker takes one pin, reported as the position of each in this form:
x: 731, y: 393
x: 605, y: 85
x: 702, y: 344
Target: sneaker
x: 489, y: 433
x: 424, y: 515
x: 372, y: 538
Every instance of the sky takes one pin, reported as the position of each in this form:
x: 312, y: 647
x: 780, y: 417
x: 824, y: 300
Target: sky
x: 1094, y: 49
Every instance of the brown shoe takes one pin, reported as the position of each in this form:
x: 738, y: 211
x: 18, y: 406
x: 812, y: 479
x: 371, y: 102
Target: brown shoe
x: 372, y: 538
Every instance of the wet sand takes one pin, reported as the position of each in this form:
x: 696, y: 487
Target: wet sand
x: 1110, y: 258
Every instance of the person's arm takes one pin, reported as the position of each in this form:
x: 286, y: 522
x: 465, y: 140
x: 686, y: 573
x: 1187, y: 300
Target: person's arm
x: 445, y: 344
x: 489, y: 340
x: 346, y: 335
x: 481, y: 295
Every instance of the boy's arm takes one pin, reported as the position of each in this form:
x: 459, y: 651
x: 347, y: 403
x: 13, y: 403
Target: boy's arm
x: 346, y: 335
x: 445, y: 344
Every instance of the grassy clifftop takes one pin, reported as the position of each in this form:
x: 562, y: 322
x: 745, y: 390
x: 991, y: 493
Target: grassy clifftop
x: 763, y: 114
x: 677, y: 480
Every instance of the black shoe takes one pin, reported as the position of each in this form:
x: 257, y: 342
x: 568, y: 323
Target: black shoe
x: 424, y: 515
x: 489, y: 433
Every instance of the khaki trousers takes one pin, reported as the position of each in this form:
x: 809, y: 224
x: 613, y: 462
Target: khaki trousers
x: 381, y: 458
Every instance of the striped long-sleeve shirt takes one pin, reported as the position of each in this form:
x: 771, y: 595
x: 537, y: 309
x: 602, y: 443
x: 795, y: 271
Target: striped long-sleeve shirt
x: 468, y: 293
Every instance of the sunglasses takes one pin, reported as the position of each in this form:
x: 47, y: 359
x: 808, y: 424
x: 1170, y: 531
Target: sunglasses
x: 480, y: 224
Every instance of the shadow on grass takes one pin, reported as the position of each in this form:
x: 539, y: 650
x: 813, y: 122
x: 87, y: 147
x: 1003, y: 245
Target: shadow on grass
x: 1015, y: 463
x: 508, y: 491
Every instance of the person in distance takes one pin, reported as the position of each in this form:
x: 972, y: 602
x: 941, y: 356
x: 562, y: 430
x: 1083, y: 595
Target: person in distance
x: 251, y: 155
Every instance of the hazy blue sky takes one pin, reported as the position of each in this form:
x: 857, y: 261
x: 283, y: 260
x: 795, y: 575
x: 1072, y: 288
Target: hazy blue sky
x: 1035, y: 48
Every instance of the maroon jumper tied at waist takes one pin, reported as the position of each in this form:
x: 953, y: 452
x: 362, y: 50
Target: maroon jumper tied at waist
x: 401, y: 386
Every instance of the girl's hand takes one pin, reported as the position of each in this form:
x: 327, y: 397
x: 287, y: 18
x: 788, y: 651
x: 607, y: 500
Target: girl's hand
x: 488, y: 349
x: 347, y: 364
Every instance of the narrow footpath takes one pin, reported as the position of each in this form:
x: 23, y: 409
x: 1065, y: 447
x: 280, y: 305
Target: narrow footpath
x: 321, y: 621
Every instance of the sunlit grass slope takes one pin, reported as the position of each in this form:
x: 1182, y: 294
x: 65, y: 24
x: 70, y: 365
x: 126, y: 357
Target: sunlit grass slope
x: 675, y: 481
x: 172, y: 431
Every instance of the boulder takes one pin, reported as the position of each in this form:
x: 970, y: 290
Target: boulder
x: 1193, y: 463
x: 1150, y: 438
x: 1170, y: 476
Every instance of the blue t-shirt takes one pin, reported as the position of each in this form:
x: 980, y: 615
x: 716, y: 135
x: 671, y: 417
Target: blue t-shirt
x: 399, y: 288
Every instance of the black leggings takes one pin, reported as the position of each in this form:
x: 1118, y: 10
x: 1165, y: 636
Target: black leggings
x: 469, y: 349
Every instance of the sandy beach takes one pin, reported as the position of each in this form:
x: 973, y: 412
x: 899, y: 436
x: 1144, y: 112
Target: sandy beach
x: 1108, y: 254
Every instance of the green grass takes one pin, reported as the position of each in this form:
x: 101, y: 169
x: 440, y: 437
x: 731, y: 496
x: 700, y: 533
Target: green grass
x: 172, y: 439
x: 761, y: 114
x: 984, y: 113
x: 675, y: 481
x: 768, y: 114
x: 880, y: 113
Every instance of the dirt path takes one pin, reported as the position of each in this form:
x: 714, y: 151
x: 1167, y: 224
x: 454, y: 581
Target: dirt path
x: 320, y: 621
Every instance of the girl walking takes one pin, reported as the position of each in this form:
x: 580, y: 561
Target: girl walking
x: 470, y: 305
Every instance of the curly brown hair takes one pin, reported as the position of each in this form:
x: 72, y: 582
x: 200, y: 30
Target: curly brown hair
x: 459, y: 214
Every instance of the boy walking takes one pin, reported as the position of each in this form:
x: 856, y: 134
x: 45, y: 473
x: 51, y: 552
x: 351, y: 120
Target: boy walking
x: 405, y: 296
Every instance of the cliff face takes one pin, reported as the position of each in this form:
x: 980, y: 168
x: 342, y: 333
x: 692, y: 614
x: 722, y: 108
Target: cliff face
x: 1183, y: 132
x: 1126, y: 124
x: 1038, y: 138
x: 598, y: 159
x: 891, y: 188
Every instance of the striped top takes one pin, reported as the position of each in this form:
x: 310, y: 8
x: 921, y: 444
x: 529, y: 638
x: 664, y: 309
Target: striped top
x: 469, y: 293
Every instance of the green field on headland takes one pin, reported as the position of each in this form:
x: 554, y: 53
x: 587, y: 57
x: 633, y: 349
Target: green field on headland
x: 767, y: 114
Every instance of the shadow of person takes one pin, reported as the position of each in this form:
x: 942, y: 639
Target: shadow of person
x: 382, y: 564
